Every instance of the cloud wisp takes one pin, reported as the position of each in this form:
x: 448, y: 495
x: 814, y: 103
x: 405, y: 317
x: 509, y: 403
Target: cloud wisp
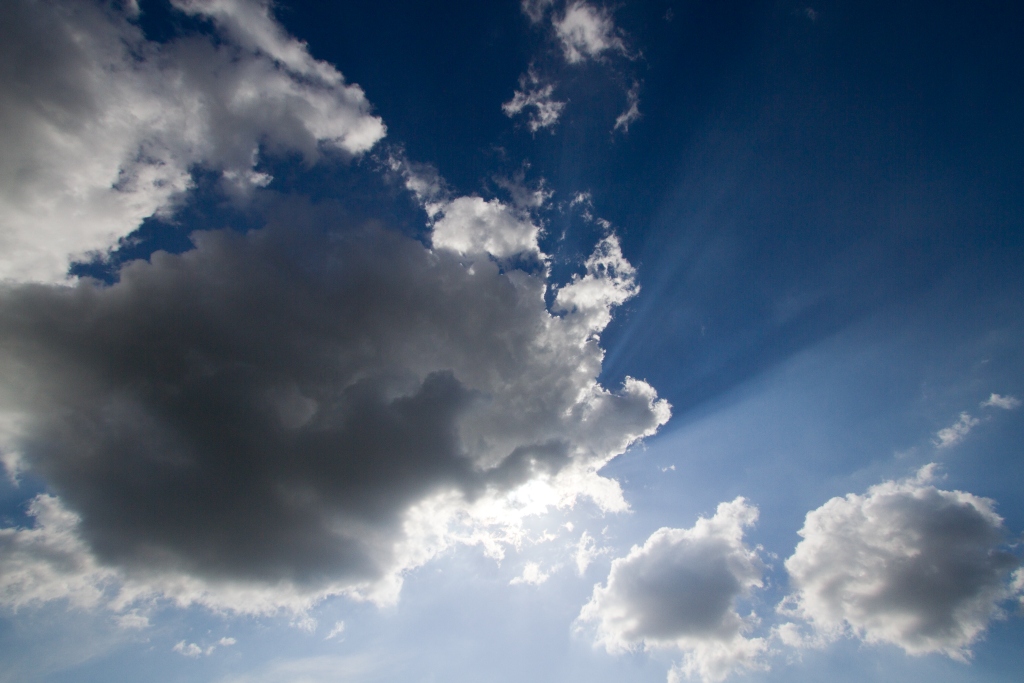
x: 536, y: 99
x: 679, y: 591
x: 905, y: 563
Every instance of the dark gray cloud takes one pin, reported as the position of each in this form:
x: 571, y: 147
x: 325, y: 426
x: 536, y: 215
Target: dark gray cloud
x: 905, y: 563
x: 270, y: 407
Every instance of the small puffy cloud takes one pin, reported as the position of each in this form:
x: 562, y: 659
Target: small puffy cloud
x: 586, y: 552
x: 532, y: 575
x: 101, y: 128
x: 473, y: 225
x: 1004, y: 402
x: 296, y: 412
x: 190, y: 649
x: 905, y: 563
x: 955, y: 433
x: 536, y: 99
x: 679, y: 590
x: 336, y: 630
x: 586, y: 32
x: 632, y: 112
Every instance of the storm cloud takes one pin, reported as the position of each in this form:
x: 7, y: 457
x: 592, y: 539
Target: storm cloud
x: 306, y: 407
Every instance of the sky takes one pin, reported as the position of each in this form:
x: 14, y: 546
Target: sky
x: 552, y: 340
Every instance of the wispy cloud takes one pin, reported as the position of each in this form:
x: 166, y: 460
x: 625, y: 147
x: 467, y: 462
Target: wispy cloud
x: 544, y: 110
x: 956, y: 432
x: 1004, y: 402
x: 632, y: 112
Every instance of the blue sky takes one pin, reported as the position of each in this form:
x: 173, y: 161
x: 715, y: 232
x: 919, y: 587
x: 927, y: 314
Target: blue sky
x: 546, y: 340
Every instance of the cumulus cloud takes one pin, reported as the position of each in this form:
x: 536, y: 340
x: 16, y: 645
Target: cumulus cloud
x: 905, y: 563
x: 49, y: 561
x: 1004, y: 402
x: 532, y: 575
x: 586, y: 32
x: 295, y: 412
x: 544, y: 110
x: 680, y: 590
x: 471, y: 224
x: 101, y: 128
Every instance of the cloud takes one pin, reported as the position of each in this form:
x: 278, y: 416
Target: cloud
x: 302, y: 411
x: 955, y: 433
x: 189, y: 650
x: 49, y: 561
x: 632, y: 112
x: 101, y: 128
x: 1004, y: 402
x: 586, y: 552
x: 532, y: 575
x: 472, y: 225
x: 586, y: 32
x: 679, y: 590
x: 905, y: 563
x: 536, y: 9
x: 336, y: 630
x: 531, y: 95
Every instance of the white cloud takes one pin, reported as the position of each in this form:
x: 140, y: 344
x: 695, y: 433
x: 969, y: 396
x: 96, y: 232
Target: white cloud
x: 189, y: 649
x: 532, y: 575
x: 336, y: 630
x: 679, y: 590
x: 1004, y: 402
x: 100, y: 128
x: 49, y: 561
x: 955, y: 433
x: 586, y: 552
x: 545, y: 110
x: 586, y: 32
x: 472, y: 225
x: 632, y: 112
x: 905, y: 563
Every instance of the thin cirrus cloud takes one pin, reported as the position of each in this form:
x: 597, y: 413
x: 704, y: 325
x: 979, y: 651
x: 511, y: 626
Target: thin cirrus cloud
x: 905, y: 563
x: 679, y: 591
x: 102, y: 128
